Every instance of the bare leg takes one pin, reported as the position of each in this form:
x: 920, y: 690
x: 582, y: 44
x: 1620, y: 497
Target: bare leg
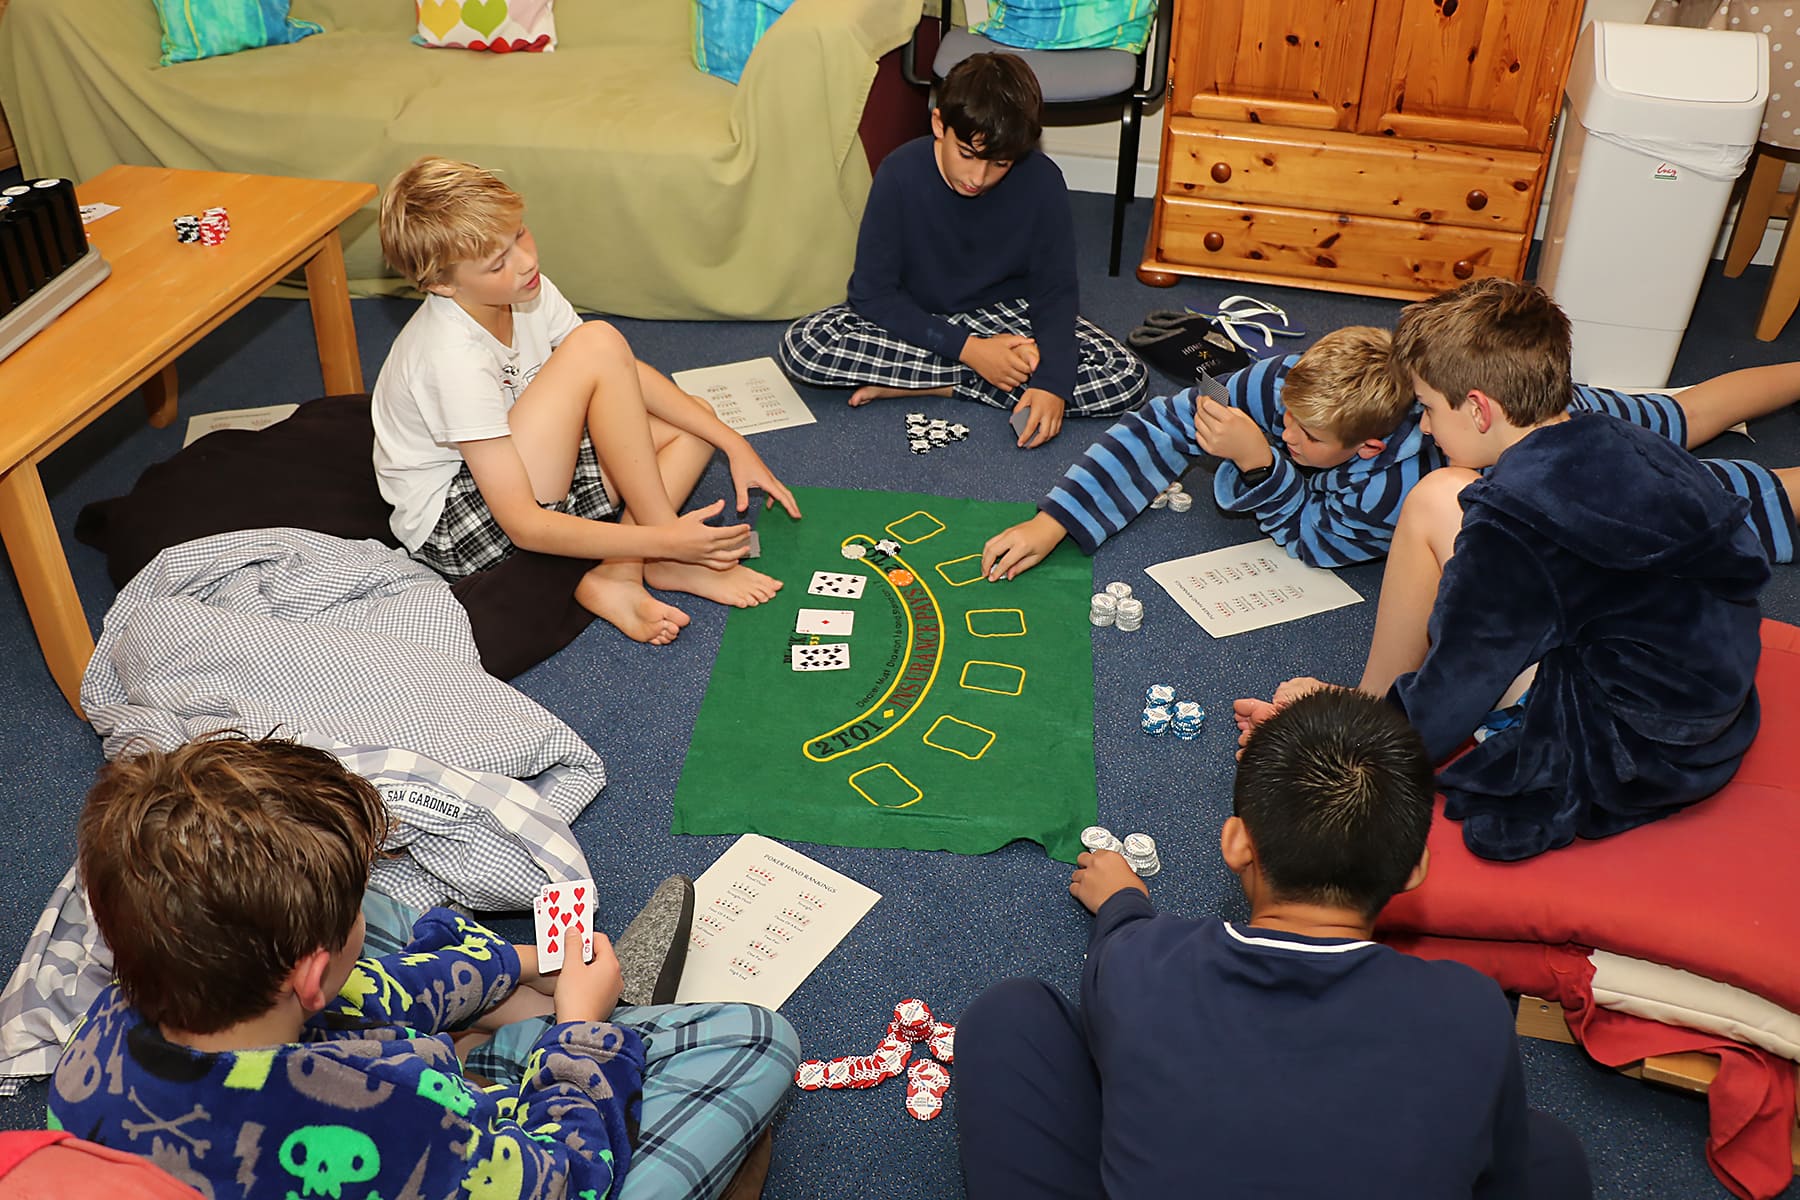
x: 875, y: 391
x: 1789, y: 478
x: 682, y: 459
x: 1719, y: 403
x: 1424, y: 540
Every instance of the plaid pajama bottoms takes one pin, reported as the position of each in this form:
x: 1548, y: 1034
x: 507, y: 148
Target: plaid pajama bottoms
x: 714, y: 1076
x: 467, y: 539
x: 837, y: 348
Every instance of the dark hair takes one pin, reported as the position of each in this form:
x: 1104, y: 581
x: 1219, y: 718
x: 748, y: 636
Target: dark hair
x: 993, y: 103
x: 1335, y: 791
x: 1501, y: 337
x: 214, y: 868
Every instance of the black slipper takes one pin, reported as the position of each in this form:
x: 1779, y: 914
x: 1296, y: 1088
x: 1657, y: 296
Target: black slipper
x: 1185, y: 350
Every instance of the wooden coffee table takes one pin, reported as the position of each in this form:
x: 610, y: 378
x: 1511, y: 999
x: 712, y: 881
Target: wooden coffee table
x: 162, y: 297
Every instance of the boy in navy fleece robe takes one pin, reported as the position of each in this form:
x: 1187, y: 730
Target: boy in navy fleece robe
x: 1597, y: 584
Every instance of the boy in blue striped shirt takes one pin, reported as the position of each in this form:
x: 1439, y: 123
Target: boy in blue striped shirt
x: 1350, y: 449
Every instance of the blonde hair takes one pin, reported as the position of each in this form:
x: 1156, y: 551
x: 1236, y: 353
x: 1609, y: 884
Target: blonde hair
x: 439, y: 212
x: 1346, y: 385
x: 1498, y: 336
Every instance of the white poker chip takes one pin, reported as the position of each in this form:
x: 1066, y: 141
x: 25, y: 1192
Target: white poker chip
x: 855, y: 550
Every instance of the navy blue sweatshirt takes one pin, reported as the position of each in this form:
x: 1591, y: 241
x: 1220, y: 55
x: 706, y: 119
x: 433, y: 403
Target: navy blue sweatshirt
x: 1239, y: 1061
x: 923, y: 251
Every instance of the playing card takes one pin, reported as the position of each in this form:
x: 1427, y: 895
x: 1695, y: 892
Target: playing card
x: 836, y: 622
x: 564, y: 914
x: 1018, y: 419
x: 755, y: 546
x: 1212, y: 388
x: 832, y: 657
x: 833, y: 583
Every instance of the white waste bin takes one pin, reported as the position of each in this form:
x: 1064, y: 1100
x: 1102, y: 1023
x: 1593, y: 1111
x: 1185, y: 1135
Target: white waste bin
x: 1661, y: 121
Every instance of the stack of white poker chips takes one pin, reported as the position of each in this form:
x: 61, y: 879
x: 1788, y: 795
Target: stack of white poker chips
x: 1139, y: 850
x: 1174, y: 498
x: 1103, y: 609
x: 1130, y: 615
x: 1098, y: 837
x: 1189, y: 717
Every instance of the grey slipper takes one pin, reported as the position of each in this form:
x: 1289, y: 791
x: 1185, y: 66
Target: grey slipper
x: 653, y: 948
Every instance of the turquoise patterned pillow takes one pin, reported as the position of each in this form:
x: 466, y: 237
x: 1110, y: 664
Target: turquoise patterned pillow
x: 194, y: 29
x: 725, y: 31
x: 1068, y: 24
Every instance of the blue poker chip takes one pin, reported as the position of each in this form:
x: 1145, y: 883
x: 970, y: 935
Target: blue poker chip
x: 1156, y: 720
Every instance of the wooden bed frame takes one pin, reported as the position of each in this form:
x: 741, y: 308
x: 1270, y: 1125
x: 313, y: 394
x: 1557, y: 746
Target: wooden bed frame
x: 1691, y: 1072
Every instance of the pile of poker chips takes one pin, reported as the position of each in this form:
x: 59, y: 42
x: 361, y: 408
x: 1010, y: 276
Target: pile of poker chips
x: 209, y: 228
x: 1116, y: 606
x: 1138, y: 849
x: 923, y: 435
x: 1173, y: 498
x: 1162, y: 713
x: 926, y: 1079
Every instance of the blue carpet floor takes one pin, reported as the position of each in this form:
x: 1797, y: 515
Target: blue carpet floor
x: 947, y: 925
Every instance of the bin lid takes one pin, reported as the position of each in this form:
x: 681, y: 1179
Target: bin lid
x: 1670, y: 82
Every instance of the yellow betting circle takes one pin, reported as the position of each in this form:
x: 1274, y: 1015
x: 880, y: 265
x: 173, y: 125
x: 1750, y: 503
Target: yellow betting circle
x: 917, y: 794
x: 986, y: 746
x: 969, y: 620
x: 978, y: 576
x: 982, y: 662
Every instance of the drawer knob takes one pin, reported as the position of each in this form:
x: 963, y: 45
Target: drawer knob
x: 1476, y: 199
x: 1221, y: 172
x: 1463, y: 268
x: 1214, y: 241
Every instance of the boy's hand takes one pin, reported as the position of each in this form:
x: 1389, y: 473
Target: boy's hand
x: 1231, y: 433
x: 1006, y: 361
x: 1293, y: 689
x: 1046, y: 417
x: 1099, y: 876
x: 589, y: 991
x: 1021, y: 547
x: 688, y: 538
x: 749, y: 471
x: 1249, y: 713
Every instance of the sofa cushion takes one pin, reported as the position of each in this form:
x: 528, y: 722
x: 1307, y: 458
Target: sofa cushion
x: 314, y: 471
x: 726, y: 31
x: 196, y: 29
x: 502, y: 26
x: 1064, y: 25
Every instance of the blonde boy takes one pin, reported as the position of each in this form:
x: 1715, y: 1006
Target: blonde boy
x: 1350, y: 448
x: 504, y: 421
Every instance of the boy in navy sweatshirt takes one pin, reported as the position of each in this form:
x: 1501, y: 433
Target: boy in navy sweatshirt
x: 964, y: 282
x: 1287, y: 1055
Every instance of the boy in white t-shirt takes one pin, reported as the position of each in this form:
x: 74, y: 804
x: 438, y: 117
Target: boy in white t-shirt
x: 503, y: 421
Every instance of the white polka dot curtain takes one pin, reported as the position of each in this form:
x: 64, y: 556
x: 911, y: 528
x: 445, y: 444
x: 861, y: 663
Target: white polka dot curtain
x: 1781, y: 22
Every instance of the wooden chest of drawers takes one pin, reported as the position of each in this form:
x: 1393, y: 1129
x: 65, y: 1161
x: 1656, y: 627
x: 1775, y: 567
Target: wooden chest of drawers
x: 1390, y: 147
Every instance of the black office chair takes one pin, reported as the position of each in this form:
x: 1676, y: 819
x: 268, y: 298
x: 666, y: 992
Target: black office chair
x: 1074, y: 79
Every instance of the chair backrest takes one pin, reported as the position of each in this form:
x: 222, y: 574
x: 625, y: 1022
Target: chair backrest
x: 1069, y: 78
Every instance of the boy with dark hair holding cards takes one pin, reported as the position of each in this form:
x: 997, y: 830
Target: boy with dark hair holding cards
x: 248, y: 1049
x: 964, y: 283
x: 1288, y: 1055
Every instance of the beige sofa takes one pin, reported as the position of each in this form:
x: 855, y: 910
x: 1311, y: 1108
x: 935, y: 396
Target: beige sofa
x: 654, y: 190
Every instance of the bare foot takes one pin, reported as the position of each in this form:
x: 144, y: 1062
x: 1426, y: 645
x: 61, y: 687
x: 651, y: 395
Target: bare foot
x: 737, y: 586
x: 624, y: 603
x: 875, y: 391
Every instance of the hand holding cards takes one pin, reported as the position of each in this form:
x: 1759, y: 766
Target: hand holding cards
x: 564, y: 913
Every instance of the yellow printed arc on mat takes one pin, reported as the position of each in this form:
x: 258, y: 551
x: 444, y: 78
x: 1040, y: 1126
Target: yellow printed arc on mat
x: 864, y: 729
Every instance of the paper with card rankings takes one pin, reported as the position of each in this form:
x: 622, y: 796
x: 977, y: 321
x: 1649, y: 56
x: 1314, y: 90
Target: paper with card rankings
x: 752, y: 396
x: 1247, y: 587
x: 201, y: 424
x: 765, y: 917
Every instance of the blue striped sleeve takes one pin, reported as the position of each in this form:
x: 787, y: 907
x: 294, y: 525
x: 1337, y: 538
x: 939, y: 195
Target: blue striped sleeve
x: 1119, y: 475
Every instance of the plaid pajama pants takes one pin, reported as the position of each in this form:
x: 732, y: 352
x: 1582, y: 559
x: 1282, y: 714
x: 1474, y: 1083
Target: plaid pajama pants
x: 714, y: 1076
x: 467, y: 539
x: 837, y: 348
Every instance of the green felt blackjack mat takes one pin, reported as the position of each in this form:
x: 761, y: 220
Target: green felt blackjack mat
x: 964, y: 720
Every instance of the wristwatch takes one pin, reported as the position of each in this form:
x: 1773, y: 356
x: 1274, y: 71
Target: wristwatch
x: 1254, y: 478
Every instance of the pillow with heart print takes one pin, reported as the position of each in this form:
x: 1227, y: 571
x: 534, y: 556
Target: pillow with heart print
x: 502, y: 26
